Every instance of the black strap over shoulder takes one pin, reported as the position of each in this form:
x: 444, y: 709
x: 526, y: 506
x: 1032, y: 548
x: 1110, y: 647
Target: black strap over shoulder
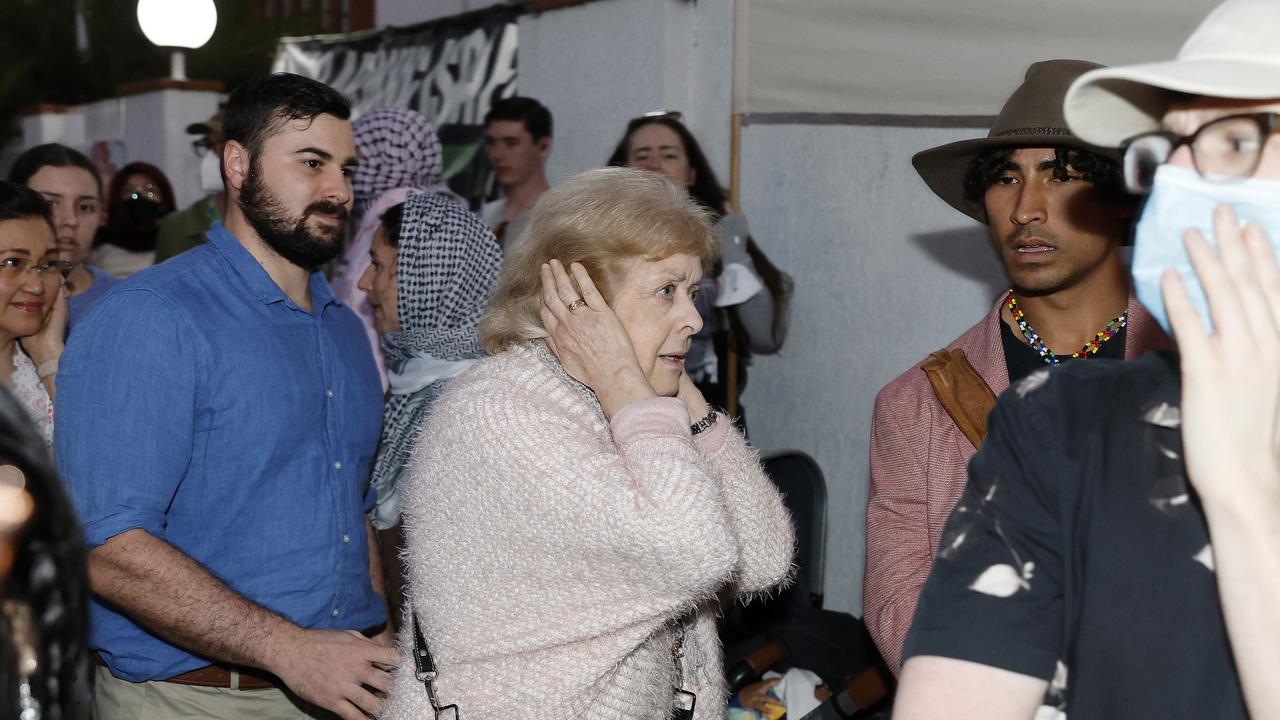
x: 422, y: 660
x: 425, y: 670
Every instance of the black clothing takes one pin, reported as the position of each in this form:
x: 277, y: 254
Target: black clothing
x: 1021, y: 359
x: 127, y: 238
x: 1079, y: 543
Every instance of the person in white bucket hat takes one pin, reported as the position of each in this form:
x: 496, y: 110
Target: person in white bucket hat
x: 1233, y: 54
x: 1116, y: 553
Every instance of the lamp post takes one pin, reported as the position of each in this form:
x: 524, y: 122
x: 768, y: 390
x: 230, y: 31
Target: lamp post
x: 177, y: 25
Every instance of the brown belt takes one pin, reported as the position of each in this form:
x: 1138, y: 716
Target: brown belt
x: 216, y: 676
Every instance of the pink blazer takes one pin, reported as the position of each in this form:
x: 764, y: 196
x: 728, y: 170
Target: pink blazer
x: 919, y: 463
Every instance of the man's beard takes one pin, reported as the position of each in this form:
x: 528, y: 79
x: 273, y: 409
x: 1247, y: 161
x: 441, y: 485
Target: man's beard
x: 289, y: 237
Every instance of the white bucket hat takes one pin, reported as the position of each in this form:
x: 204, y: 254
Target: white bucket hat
x: 1235, y: 53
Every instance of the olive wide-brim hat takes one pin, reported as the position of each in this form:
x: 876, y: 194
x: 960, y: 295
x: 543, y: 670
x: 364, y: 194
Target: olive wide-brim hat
x: 1031, y: 117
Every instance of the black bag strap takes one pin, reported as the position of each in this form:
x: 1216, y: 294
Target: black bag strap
x: 425, y: 669
x: 682, y: 701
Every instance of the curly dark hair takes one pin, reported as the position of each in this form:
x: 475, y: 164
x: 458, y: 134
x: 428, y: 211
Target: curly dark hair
x: 1102, y: 172
x: 48, y: 575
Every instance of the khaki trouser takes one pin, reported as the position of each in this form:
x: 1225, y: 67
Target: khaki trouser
x: 116, y: 699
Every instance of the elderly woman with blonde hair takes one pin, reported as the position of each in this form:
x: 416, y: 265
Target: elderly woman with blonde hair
x: 574, y: 510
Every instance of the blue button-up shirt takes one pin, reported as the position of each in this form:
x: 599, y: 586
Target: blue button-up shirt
x: 202, y: 405
x: 78, y: 305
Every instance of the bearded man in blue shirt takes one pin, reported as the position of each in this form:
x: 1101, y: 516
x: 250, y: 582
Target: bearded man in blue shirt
x: 217, y: 416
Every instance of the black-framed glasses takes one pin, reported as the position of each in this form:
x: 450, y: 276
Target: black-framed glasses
x: 1228, y: 148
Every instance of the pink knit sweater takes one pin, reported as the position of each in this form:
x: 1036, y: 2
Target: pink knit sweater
x: 550, y: 553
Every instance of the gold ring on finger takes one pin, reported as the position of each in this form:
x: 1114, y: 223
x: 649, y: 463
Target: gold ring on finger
x: 579, y: 303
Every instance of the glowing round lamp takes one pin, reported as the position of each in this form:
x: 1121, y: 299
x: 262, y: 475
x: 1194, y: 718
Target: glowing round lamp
x: 177, y: 24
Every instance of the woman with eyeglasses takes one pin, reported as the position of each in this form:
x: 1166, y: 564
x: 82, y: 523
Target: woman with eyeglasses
x: 138, y: 198
x: 743, y: 301
x: 33, y: 303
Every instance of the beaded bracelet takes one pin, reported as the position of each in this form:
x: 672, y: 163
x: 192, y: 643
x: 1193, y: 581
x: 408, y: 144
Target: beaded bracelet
x: 703, y: 424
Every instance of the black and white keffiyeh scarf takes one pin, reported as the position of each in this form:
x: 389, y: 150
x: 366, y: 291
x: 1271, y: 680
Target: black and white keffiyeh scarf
x: 398, y: 148
x: 447, y: 266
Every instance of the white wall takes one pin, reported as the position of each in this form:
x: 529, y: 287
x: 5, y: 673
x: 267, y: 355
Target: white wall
x: 885, y: 273
x: 148, y: 127
x: 598, y: 65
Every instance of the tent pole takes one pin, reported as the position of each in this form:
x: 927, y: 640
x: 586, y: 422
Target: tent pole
x: 735, y: 146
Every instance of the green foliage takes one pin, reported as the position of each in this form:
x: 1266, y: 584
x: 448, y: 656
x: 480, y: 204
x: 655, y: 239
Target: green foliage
x: 42, y: 59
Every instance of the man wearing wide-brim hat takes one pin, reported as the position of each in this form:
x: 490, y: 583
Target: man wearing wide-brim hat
x: 1057, y: 215
x: 1118, y: 542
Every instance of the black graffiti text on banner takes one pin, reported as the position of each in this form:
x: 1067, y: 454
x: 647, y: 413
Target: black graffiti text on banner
x: 450, y: 70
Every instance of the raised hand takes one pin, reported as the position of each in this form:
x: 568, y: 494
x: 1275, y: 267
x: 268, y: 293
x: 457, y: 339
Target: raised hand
x: 1230, y: 378
x: 339, y: 671
x: 589, y: 340
x: 1231, y: 437
x: 47, y: 344
x: 693, y: 400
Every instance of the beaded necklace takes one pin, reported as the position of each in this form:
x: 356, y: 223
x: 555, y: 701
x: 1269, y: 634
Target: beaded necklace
x: 1037, y: 343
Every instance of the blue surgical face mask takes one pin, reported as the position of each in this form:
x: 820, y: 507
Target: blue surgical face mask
x: 1181, y: 199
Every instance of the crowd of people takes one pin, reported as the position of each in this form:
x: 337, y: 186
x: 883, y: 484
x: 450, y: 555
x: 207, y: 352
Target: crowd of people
x: 327, y: 443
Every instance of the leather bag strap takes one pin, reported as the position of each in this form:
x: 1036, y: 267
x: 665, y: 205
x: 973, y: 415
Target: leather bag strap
x: 963, y: 393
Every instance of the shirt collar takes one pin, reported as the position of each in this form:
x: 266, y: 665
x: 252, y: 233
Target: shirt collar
x: 321, y: 294
x: 255, y: 276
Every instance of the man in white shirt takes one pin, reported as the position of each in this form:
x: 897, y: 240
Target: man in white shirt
x: 517, y: 139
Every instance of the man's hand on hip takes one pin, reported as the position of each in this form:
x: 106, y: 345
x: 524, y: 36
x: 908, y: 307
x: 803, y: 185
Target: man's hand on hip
x: 336, y: 670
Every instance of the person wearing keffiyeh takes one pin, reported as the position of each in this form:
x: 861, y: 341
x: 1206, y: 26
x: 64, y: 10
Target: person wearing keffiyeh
x: 399, y: 152
x: 432, y: 266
